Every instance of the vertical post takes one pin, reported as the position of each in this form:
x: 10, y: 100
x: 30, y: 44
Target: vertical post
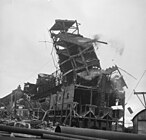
x: 91, y: 96
x: 70, y: 120
x: 90, y: 104
x: 144, y: 99
x: 80, y: 103
x: 62, y: 105
x: 15, y: 103
x: 124, y: 114
x: 38, y: 113
x: 11, y: 106
x: 55, y: 109
x: 116, y: 126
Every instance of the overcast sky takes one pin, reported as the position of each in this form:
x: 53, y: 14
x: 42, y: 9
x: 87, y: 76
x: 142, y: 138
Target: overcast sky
x: 24, y: 23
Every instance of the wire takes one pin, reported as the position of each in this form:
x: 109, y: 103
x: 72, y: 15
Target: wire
x: 135, y: 88
x: 140, y: 100
x: 52, y: 53
x: 140, y: 80
x: 127, y: 73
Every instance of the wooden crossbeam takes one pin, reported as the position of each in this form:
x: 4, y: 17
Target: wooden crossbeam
x: 139, y: 92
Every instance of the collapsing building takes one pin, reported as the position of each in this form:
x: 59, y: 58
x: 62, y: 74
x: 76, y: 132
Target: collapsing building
x: 81, y: 93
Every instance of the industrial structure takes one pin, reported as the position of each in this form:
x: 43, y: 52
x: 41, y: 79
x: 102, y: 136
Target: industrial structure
x: 139, y: 122
x: 80, y: 93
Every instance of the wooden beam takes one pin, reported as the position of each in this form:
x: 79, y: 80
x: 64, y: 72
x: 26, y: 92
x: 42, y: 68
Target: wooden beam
x: 139, y: 92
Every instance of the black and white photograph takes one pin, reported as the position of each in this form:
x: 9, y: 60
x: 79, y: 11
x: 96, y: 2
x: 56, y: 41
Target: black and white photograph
x: 73, y: 69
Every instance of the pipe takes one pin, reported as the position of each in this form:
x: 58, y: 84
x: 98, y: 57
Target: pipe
x: 110, y: 135
x: 43, y: 133
x: 55, y: 137
x: 11, y: 129
x: 72, y: 136
x: 17, y: 138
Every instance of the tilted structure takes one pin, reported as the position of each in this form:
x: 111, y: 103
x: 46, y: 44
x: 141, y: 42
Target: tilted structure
x: 81, y: 93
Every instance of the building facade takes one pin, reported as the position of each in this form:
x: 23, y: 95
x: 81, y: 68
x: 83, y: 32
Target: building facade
x: 139, y: 122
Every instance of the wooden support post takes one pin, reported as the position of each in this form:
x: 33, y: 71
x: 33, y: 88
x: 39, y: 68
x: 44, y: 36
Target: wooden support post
x: 62, y: 105
x: 54, y: 121
x: 124, y: 114
x: 70, y: 119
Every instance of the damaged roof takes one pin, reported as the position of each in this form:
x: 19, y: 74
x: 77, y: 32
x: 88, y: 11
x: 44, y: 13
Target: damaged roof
x: 62, y: 24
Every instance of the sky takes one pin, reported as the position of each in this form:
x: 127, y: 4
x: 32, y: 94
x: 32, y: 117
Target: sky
x: 25, y: 23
